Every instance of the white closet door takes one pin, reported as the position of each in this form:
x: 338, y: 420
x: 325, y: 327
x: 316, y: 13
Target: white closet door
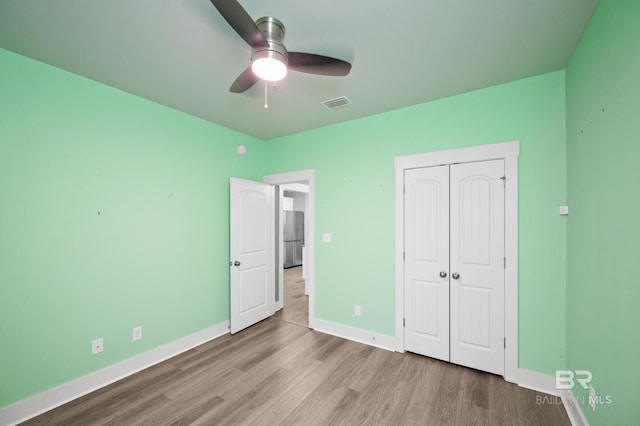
x: 426, y: 219
x: 477, y: 265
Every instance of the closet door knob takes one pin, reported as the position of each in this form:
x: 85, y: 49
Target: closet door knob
x: 443, y: 274
x: 455, y: 275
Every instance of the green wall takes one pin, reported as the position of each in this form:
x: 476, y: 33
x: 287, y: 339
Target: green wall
x: 156, y: 254
x: 603, y: 124
x: 354, y: 162
x: 114, y: 213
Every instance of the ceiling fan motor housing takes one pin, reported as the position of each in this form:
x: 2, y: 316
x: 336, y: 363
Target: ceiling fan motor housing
x: 273, y: 31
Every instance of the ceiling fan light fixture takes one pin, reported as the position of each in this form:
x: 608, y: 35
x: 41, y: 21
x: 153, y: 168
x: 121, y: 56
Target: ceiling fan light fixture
x: 269, y: 68
x: 270, y: 63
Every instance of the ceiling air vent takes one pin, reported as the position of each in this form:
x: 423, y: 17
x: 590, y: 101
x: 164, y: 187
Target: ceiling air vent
x: 336, y: 102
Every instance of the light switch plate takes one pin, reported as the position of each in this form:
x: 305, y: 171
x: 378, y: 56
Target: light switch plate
x: 563, y: 210
x: 326, y: 237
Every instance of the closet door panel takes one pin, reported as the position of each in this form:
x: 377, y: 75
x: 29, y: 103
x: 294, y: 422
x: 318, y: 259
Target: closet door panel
x: 426, y: 304
x: 477, y: 265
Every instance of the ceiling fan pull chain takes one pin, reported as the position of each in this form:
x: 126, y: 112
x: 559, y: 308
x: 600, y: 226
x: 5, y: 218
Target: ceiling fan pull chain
x: 266, y: 104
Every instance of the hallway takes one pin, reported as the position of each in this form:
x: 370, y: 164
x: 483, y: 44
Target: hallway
x: 296, y: 303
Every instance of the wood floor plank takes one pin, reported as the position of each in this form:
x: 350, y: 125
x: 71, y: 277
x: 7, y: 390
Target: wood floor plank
x: 140, y: 413
x: 277, y: 412
x: 253, y: 397
x: 257, y: 389
x: 333, y: 367
x: 205, y: 381
x: 325, y: 390
x: 339, y: 407
x: 304, y: 349
x: 425, y: 385
x: 252, y: 375
x: 216, y: 351
x: 368, y: 370
x: 182, y: 411
x: 322, y: 407
x: 376, y: 394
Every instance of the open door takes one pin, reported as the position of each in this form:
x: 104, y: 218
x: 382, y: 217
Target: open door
x: 252, y: 260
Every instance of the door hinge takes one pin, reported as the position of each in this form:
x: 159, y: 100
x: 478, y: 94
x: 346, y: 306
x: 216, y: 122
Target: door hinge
x: 404, y: 255
x: 404, y: 322
x: 505, y: 263
x: 404, y: 189
x: 505, y: 343
x: 504, y: 181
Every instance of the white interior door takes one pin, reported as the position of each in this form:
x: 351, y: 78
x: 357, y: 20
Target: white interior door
x: 454, y: 263
x: 477, y: 265
x: 426, y: 218
x: 252, y: 232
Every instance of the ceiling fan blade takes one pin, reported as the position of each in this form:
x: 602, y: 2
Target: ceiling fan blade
x: 240, y: 21
x: 244, y: 82
x: 317, y: 64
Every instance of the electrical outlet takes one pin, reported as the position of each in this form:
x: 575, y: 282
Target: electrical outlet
x: 136, y: 334
x: 592, y: 398
x: 97, y: 346
x: 357, y: 310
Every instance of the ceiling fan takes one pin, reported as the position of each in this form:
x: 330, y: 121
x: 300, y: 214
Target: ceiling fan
x: 270, y: 59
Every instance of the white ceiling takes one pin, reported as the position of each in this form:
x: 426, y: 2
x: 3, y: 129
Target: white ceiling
x: 183, y: 54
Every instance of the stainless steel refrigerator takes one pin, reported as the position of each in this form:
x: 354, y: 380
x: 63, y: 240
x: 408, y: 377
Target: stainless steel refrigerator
x: 293, y: 238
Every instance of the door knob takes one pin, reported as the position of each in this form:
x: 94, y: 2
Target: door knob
x: 455, y: 275
x: 443, y: 274
x: 236, y: 263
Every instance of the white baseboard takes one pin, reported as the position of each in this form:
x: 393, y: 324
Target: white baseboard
x: 356, y: 334
x: 547, y: 384
x: 537, y: 381
x: 572, y: 407
x: 52, y: 398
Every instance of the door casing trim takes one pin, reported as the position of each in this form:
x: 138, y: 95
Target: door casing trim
x: 509, y: 151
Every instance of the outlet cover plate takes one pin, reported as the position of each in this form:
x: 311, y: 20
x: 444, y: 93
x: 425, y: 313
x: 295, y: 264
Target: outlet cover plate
x: 136, y: 334
x: 97, y: 346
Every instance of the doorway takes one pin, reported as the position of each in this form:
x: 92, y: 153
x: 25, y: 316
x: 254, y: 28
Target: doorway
x: 294, y: 206
x: 507, y: 152
x: 300, y: 279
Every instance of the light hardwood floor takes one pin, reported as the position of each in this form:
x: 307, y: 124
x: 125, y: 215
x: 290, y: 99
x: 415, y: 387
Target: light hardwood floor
x: 296, y: 303
x: 277, y: 372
